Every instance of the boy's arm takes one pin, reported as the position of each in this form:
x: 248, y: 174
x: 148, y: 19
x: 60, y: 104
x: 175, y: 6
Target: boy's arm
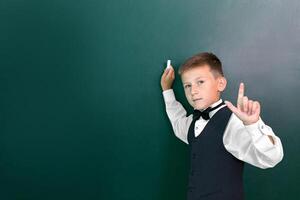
x: 251, y: 143
x: 177, y: 115
x: 248, y: 138
x: 174, y: 109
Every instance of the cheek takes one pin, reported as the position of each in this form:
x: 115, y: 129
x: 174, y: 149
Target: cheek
x: 186, y: 92
x: 188, y: 95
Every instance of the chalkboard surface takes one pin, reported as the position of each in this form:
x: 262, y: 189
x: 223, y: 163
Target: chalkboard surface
x: 81, y: 109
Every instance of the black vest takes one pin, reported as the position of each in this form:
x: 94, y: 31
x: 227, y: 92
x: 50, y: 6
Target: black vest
x: 215, y: 174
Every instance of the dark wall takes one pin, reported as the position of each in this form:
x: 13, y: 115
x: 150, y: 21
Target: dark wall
x: 81, y: 109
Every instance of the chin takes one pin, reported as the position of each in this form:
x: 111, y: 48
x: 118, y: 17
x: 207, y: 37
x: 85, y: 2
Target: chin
x: 198, y: 107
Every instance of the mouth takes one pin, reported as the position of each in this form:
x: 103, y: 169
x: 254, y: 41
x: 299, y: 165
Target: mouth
x: 197, y: 99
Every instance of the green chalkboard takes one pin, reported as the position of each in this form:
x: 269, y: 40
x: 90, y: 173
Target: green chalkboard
x: 81, y: 109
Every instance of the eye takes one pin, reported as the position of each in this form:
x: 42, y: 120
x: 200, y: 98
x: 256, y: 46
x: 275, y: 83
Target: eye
x: 201, y: 82
x: 187, y: 86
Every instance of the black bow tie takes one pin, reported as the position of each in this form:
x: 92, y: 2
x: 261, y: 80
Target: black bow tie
x: 205, y: 114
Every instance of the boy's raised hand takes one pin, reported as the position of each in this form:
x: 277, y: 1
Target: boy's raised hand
x: 247, y: 110
x: 167, y: 78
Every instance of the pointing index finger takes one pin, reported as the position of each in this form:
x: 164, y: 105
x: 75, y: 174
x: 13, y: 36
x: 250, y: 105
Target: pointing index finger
x: 240, y: 95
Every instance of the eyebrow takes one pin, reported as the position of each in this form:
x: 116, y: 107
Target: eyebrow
x: 199, y: 77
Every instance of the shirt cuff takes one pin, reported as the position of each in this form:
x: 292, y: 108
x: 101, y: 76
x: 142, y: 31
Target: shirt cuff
x: 259, y: 129
x: 169, y: 95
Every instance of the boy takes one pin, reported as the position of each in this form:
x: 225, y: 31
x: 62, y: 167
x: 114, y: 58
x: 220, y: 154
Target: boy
x: 221, y: 137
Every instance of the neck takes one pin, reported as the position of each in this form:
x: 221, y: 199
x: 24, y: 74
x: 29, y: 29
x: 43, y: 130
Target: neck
x: 214, y: 104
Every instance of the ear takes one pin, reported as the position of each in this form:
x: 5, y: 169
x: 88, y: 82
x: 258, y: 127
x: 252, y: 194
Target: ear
x: 222, y: 82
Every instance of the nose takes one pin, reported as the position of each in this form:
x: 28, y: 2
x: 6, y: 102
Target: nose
x: 194, y: 89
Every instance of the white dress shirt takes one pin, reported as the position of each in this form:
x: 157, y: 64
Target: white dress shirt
x: 249, y: 143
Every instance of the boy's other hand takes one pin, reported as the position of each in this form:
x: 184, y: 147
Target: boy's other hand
x: 247, y: 110
x: 167, y: 78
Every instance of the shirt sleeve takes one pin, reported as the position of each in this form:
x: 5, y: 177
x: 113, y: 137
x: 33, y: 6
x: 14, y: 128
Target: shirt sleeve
x: 251, y: 143
x: 177, y: 115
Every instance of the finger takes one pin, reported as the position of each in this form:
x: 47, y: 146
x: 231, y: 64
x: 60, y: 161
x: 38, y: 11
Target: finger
x: 170, y: 69
x: 167, y: 72
x: 257, y: 108
x: 245, y: 104
x: 240, y: 96
x: 171, y: 74
x: 250, y: 107
x: 232, y: 107
x: 254, y: 107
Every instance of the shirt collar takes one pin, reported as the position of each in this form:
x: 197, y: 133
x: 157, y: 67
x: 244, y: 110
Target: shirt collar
x: 214, y: 104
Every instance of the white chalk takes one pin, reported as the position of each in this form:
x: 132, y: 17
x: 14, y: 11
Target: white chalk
x: 169, y: 64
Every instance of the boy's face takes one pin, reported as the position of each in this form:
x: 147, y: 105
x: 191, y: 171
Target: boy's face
x: 201, y: 87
